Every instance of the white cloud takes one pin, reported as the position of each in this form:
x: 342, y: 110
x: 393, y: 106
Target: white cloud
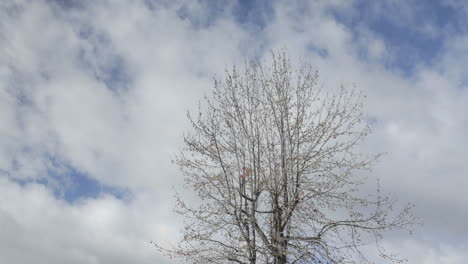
x: 54, y: 102
x: 41, y: 229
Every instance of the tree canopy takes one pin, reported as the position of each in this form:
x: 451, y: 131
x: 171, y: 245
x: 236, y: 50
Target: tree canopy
x: 274, y: 161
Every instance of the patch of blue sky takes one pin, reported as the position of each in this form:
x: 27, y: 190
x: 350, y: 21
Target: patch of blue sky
x: 18, y: 86
x: 102, y: 62
x: 322, y: 52
x: 253, y: 15
x: 114, y: 75
x: 68, y: 183
x: 204, y: 14
x: 414, y: 32
x: 156, y: 4
x: 75, y: 185
x: 81, y: 186
x: 68, y: 4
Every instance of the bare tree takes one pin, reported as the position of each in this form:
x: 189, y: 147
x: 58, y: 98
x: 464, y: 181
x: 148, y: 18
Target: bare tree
x: 273, y: 160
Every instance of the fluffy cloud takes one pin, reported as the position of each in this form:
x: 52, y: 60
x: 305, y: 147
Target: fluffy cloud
x: 101, y: 89
x: 38, y: 228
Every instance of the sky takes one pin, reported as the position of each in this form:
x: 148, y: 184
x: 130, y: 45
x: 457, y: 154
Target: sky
x: 94, y: 94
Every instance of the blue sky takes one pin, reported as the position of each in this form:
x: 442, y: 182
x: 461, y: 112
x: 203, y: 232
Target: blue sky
x: 417, y: 38
x: 93, y: 96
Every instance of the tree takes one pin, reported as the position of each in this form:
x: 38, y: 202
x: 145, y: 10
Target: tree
x: 273, y: 160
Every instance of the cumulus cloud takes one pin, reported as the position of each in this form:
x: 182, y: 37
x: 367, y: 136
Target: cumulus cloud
x: 101, y: 89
